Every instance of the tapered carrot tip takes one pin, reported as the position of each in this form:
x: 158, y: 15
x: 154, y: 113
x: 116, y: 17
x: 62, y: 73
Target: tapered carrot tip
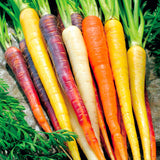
x: 46, y: 127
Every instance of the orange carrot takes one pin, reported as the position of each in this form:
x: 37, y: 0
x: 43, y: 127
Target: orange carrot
x: 94, y: 36
x: 118, y: 58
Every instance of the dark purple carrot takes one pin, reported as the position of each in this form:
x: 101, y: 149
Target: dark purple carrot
x: 77, y: 20
x: 48, y: 25
x: 16, y: 62
x: 38, y: 85
x: 50, y: 31
x: 60, y: 23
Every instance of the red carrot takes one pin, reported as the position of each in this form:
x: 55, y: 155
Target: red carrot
x: 151, y: 129
x: 38, y: 85
x: 16, y: 62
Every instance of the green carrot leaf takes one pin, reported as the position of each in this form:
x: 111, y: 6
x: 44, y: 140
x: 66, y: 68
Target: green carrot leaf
x: 19, y: 141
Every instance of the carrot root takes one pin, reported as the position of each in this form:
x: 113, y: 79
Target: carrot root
x: 137, y: 64
x: 118, y: 58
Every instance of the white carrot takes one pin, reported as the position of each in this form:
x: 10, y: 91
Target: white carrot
x: 77, y: 51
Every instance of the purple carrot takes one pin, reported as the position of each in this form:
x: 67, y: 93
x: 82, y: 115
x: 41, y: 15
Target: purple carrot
x: 77, y: 20
x: 60, y: 23
x: 50, y: 31
x: 17, y: 63
x: 38, y: 85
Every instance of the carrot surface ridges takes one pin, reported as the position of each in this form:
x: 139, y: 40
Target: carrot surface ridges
x: 118, y: 58
x: 41, y: 60
x: 94, y: 36
x: 16, y: 62
x: 38, y: 85
x: 59, y: 58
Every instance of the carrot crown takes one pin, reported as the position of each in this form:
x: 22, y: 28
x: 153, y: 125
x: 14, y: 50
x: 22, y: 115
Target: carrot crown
x: 42, y: 6
x: 21, y: 5
x: 74, y: 6
x: 5, y: 39
x: 133, y: 21
x: 110, y: 9
x: 89, y: 7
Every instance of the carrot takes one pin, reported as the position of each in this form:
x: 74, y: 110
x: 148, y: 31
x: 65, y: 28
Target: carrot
x: 17, y: 64
x: 37, y: 49
x: 151, y: 129
x: 118, y: 58
x: 134, y: 28
x: 123, y: 132
x: 77, y: 19
x: 12, y: 10
x: 60, y: 23
x: 102, y: 126
x: 50, y: 32
x: 94, y: 36
x: 38, y: 85
x: 90, y: 155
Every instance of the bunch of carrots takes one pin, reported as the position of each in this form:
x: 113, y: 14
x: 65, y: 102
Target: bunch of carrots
x: 80, y: 71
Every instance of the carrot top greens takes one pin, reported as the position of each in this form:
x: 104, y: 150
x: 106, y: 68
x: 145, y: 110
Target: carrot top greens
x: 152, y: 35
x: 5, y: 39
x: 42, y: 6
x: 74, y: 6
x: 21, y: 4
x: 19, y: 140
x: 89, y: 7
x: 13, y: 11
x: 133, y: 21
x: 110, y: 9
x: 64, y: 10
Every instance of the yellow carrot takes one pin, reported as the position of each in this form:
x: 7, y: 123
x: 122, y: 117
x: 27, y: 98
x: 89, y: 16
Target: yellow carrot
x: 137, y: 63
x: 30, y: 25
x: 133, y: 22
x: 118, y: 57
